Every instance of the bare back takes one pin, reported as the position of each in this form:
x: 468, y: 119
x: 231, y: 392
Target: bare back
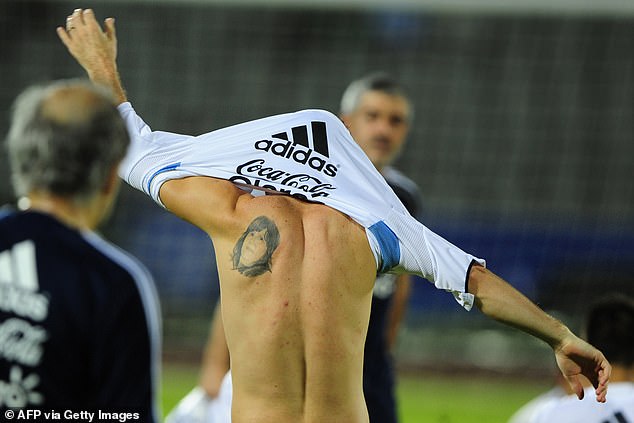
x: 295, y: 321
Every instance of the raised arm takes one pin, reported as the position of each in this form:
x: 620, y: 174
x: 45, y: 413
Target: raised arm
x: 206, y: 202
x: 95, y: 50
x: 575, y: 357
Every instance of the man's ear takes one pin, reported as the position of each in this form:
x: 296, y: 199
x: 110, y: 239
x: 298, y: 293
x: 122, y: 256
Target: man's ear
x: 112, y: 182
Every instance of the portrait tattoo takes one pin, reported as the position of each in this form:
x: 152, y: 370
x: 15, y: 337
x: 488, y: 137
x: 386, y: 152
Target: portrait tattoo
x: 254, y: 249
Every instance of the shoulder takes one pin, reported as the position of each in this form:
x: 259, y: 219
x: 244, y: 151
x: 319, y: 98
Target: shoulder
x: 123, y: 283
x: 8, y: 226
x: 395, y: 177
x: 51, y: 236
x: 558, y: 407
x: 110, y: 258
x: 569, y: 409
x: 6, y: 211
x: 528, y: 412
x: 89, y: 266
x: 405, y: 188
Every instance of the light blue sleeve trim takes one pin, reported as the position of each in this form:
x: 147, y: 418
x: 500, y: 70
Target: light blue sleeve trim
x: 388, y: 244
x: 167, y: 168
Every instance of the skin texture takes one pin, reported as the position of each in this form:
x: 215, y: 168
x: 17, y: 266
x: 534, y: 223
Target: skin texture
x: 296, y: 332
x: 306, y: 318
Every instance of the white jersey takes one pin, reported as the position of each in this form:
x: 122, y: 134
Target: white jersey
x: 310, y: 155
x: 527, y: 413
x: 619, y: 407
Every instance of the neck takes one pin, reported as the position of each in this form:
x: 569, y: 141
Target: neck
x: 622, y: 373
x: 74, y: 215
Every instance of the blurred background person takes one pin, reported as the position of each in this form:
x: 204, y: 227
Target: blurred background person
x: 215, y: 363
x: 609, y: 326
x: 527, y: 412
x: 210, y: 400
x: 379, y: 114
x: 79, y: 317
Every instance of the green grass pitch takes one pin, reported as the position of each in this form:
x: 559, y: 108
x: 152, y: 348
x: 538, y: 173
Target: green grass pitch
x: 422, y: 398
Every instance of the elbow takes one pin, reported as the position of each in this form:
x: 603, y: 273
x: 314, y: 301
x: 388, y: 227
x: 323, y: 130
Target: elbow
x: 476, y: 277
x: 483, y: 285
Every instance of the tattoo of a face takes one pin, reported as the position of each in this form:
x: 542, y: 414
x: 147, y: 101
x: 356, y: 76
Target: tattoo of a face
x: 253, y: 250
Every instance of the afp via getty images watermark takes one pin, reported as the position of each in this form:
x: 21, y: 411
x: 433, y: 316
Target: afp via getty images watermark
x: 35, y: 415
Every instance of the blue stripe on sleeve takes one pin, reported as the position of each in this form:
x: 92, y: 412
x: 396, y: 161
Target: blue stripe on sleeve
x: 388, y: 243
x: 161, y: 170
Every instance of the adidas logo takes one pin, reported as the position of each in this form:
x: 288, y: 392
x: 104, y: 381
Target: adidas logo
x: 299, y: 149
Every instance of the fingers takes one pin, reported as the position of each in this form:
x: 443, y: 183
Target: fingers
x: 78, y: 14
x: 599, y: 377
x: 601, y: 389
x: 601, y: 393
x: 605, y: 372
x: 63, y: 35
x: 79, y: 19
x: 111, y: 32
x: 576, y: 386
x: 74, y: 20
x: 89, y: 19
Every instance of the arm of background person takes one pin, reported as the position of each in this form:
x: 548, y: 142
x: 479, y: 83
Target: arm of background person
x: 398, y: 309
x: 215, y: 360
x: 575, y: 357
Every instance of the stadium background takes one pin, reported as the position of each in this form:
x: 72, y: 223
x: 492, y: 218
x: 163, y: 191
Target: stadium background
x: 522, y: 142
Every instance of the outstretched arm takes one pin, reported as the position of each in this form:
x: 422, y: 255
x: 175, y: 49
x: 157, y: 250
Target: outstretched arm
x: 94, y: 49
x: 575, y: 357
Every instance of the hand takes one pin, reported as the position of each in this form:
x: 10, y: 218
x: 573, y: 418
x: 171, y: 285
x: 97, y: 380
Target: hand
x: 575, y: 358
x: 95, y: 50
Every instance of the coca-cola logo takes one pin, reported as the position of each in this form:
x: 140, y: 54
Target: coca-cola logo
x: 258, y: 174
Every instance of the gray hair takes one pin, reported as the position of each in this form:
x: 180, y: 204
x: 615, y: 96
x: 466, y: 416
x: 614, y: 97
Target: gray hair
x: 65, y: 139
x: 378, y: 81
